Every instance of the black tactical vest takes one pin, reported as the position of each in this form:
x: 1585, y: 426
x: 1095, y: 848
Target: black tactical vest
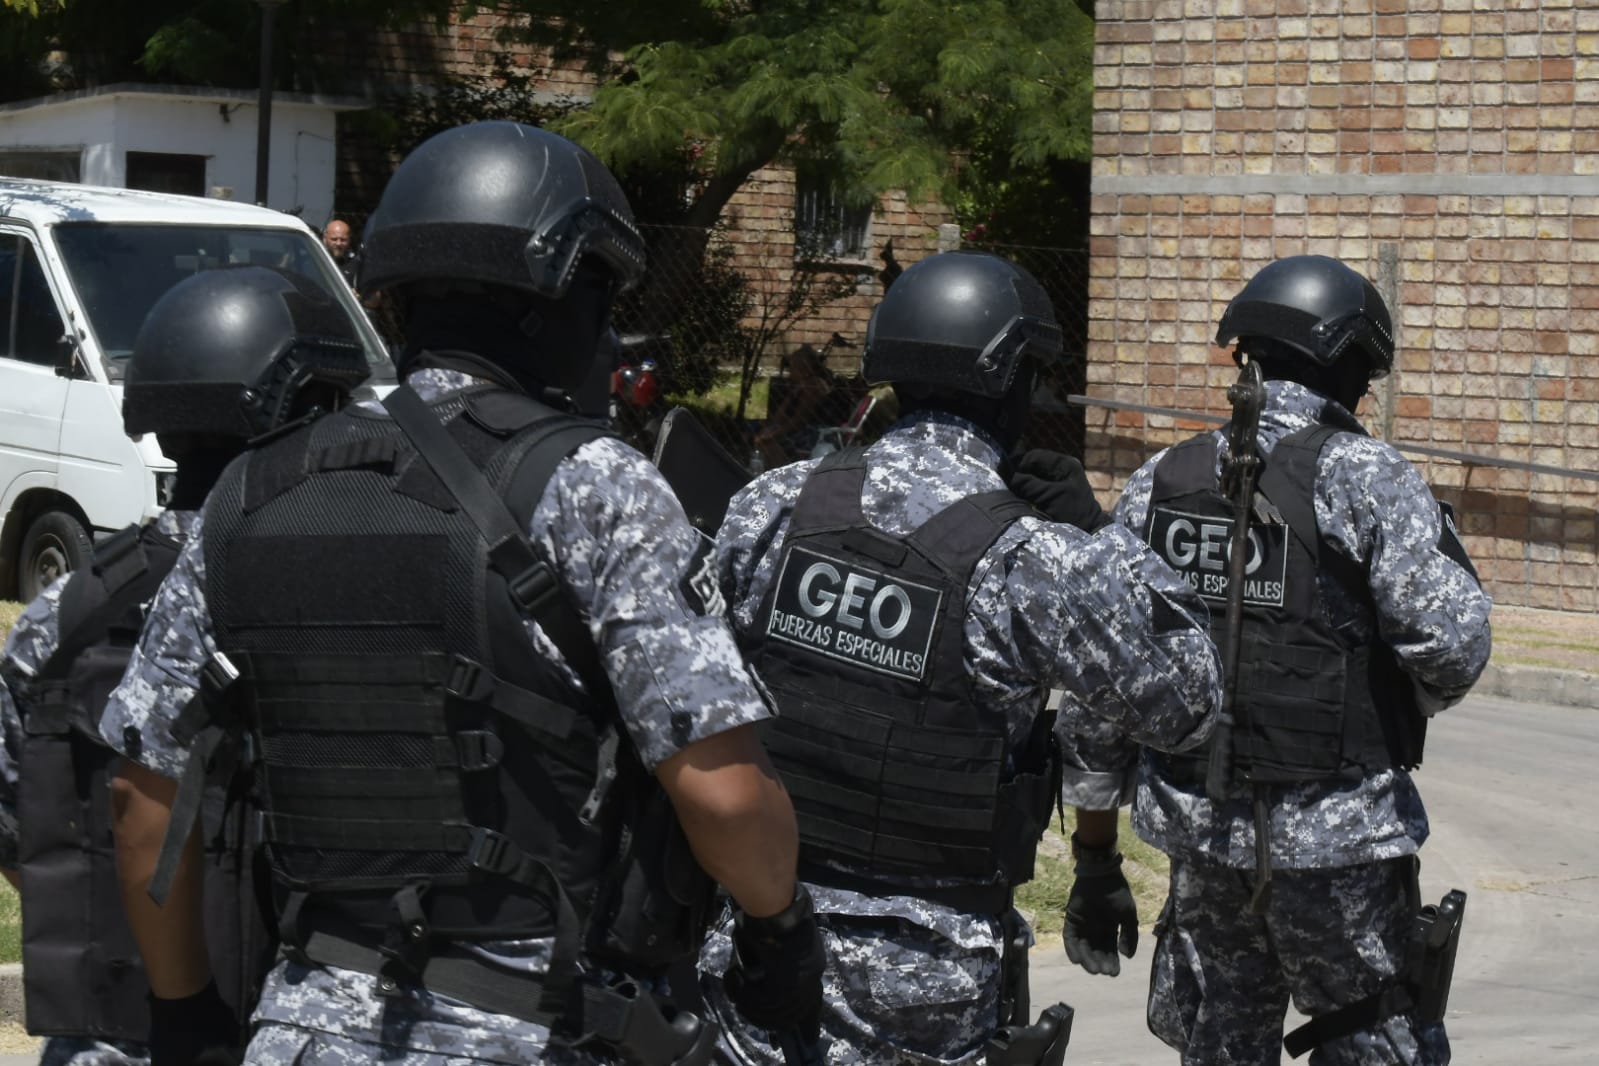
x: 425, y: 777
x: 898, y: 773
x: 82, y: 975
x: 1313, y: 703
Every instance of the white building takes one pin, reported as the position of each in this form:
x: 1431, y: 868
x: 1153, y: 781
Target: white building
x: 178, y: 139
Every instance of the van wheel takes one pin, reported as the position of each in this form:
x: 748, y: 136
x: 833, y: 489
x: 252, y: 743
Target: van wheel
x: 54, y: 544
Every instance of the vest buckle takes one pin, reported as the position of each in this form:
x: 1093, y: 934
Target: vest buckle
x: 491, y: 853
x: 533, y: 586
x: 468, y: 680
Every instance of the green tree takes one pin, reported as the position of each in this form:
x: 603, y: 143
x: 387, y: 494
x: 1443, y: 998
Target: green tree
x: 202, y: 42
x: 874, y: 94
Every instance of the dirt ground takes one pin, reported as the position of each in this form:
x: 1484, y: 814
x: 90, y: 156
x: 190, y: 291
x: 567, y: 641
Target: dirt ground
x: 1561, y: 639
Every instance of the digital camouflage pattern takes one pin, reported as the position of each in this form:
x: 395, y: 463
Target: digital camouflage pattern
x: 32, y: 640
x: 1373, y: 506
x: 84, y: 1051
x: 1220, y: 974
x: 1222, y: 977
x: 1098, y: 617
x: 626, y: 554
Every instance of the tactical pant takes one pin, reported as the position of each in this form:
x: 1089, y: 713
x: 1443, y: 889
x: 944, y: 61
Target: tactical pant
x: 87, y: 1051
x: 895, y: 994
x: 1222, y: 977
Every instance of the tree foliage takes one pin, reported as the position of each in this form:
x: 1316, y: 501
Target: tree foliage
x: 203, y: 42
x: 878, y: 94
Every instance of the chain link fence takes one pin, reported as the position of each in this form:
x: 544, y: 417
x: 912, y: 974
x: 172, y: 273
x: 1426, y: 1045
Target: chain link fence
x: 736, y: 311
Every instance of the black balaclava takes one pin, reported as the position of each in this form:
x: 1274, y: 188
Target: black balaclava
x: 1346, y: 381
x: 528, y: 342
x: 1004, y: 419
x: 200, y: 461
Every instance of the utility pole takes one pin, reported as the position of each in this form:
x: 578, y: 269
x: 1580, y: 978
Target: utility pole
x: 263, y: 130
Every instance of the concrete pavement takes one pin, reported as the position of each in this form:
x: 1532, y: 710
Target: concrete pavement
x: 1508, y: 786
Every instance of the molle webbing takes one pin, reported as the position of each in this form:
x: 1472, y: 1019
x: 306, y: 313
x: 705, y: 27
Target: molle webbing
x: 387, y: 718
x: 1315, y: 706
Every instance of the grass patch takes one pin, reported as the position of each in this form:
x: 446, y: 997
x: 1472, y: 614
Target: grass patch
x: 723, y: 400
x: 1043, y: 899
x: 10, y: 924
x: 10, y: 904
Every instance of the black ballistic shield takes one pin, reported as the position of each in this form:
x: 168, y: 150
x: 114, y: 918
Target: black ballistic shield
x: 702, y: 473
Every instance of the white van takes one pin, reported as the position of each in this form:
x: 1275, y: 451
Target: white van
x: 79, y: 268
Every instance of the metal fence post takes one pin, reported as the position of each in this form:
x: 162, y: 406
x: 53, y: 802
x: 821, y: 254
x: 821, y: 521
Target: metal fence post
x: 1387, y: 281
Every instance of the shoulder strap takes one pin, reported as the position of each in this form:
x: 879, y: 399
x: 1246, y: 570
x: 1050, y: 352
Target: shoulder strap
x: 1289, y: 481
x: 963, y: 531
x: 532, y: 584
x: 831, y: 495
x: 1187, y: 465
x: 115, y: 564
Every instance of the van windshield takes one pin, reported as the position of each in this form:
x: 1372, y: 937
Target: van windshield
x: 121, y: 269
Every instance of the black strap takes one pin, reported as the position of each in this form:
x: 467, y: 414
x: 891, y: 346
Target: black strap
x: 1359, y: 1015
x: 1289, y: 478
x: 185, y: 809
x: 446, y: 972
x: 118, y: 561
x: 970, y: 899
x: 532, y: 583
x: 432, y: 961
x: 202, y: 727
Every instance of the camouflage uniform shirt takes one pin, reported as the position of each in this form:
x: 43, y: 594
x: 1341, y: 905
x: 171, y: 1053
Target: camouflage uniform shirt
x: 1098, y: 617
x: 618, y: 539
x: 30, y: 644
x: 1373, y: 507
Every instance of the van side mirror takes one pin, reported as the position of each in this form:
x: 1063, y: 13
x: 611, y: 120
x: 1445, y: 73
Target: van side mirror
x: 69, y: 358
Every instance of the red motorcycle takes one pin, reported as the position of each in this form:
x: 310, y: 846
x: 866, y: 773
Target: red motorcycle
x: 638, y: 392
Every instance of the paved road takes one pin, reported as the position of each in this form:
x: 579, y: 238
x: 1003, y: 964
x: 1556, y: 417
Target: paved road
x: 1515, y: 813
x: 1516, y: 824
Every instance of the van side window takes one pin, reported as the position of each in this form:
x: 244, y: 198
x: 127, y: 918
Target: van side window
x: 32, y: 323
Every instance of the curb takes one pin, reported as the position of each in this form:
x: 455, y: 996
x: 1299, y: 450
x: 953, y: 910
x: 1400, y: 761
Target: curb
x: 1539, y: 684
x: 11, y: 992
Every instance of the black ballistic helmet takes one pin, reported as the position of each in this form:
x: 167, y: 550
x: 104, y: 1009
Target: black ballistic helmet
x: 1317, y: 306
x: 960, y: 322
x: 500, y: 203
x: 225, y: 352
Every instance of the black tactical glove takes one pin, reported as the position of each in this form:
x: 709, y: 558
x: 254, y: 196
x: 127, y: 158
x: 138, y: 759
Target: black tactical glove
x: 1057, y: 486
x: 776, y: 977
x: 1100, y: 913
x: 198, y: 1030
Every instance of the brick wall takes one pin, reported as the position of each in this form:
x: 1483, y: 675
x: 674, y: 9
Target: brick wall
x: 1449, y: 149
x: 760, y: 221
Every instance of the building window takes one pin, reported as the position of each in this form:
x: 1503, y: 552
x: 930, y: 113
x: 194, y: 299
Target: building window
x: 42, y: 165
x: 166, y: 172
x: 825, y: 226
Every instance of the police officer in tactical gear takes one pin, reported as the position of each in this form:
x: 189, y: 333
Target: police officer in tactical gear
x: 500, y: 730
x: 911, y: 615
x: 225, y: 356
x: 1361, y: 616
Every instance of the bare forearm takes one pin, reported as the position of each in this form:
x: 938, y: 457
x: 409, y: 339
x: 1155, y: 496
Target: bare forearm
x: 171, y: 937
x: 737, y: 817
x: 13, y: 877
x: 1096, y: 829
